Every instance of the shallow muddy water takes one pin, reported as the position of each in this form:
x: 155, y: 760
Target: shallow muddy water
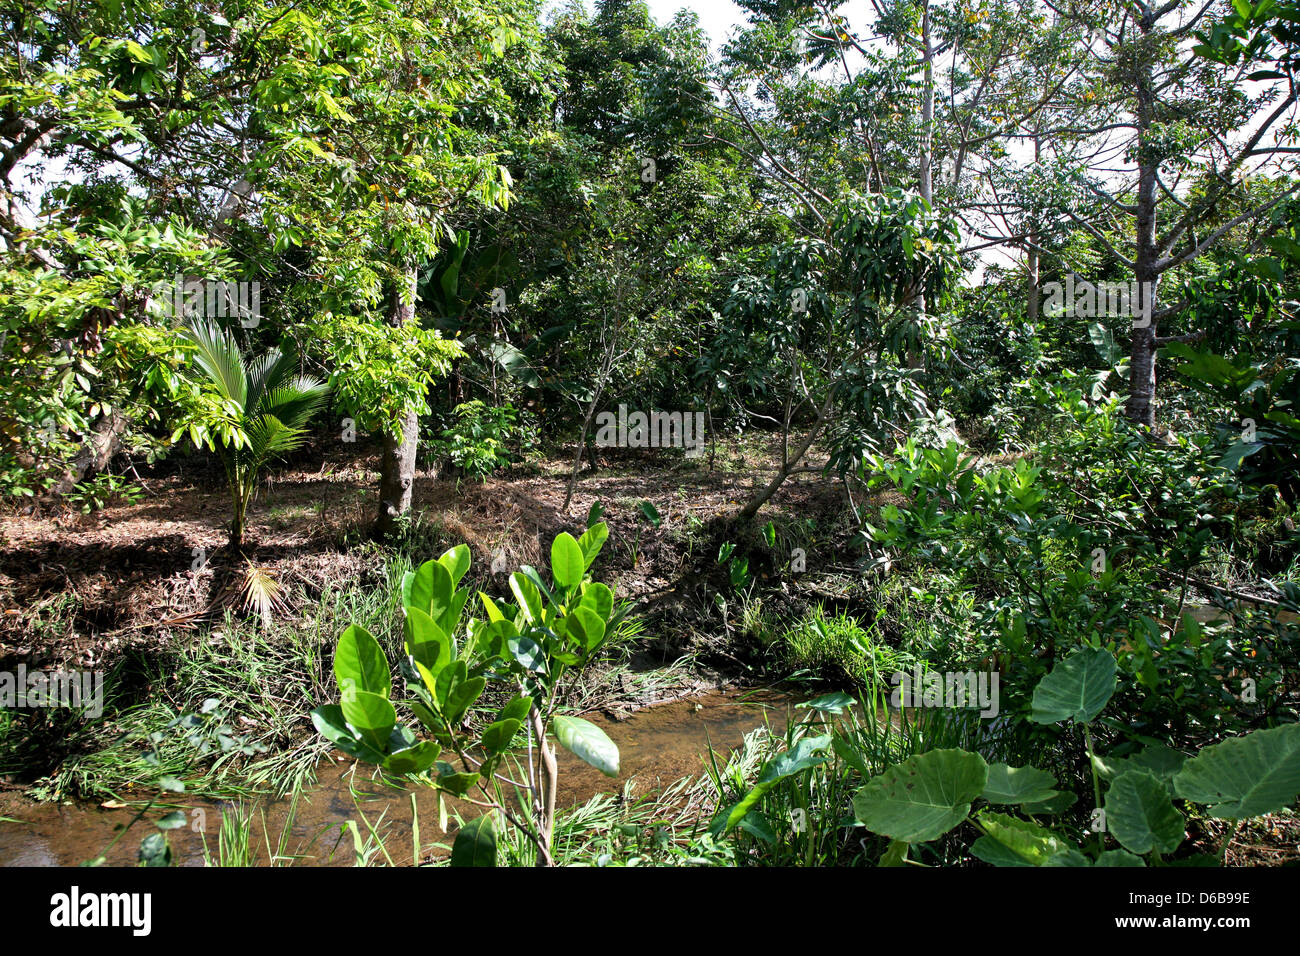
x: 658, y: 746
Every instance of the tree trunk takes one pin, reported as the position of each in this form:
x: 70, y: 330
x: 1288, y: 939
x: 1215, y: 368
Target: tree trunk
x: 925, y: 168
x: 788, y: 466
x: 546, y: 791
x: 1032, y: 268
x: 1141, y: 407
x: 397, y: 466
x: 103, y: 442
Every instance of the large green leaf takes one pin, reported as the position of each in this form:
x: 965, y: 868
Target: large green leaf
x: 586, y: 627
x: 415, y: 759
x: 597, y: 598
x: 331, y: 723
x: 456, y: 561
x: 371, y: 716
x: 1076, y: 689
x: 528, y: 595
x: 1246, y: 776
x: 360, y: 664
x: 476, y: 843
x: 923, y: 797
x: 567, y: 562
x: 587, y: 742
x: 1140, y: 815
x: 1162, y: 761
x: 1009, y: 841
x: 1018, y: 785
x: 426, y: 642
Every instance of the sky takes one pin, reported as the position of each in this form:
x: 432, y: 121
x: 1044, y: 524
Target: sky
x: 717, y: 17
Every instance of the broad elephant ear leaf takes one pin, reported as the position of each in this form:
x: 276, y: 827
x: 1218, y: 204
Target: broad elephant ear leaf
x: 1076, y: 689
x: 923, y: 797
x: 1140, y: 815
x: 1011, y: 785
x: 1245, y: 776
x: 1010, y: 841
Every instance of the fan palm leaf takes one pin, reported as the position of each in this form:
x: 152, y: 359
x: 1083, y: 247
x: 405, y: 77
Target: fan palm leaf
x: 271, y: 401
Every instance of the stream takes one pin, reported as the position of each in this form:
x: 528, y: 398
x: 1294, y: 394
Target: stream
x: 658, y: 746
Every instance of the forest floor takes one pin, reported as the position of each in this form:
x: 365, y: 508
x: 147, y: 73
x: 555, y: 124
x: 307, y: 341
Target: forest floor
x: 80, y: 590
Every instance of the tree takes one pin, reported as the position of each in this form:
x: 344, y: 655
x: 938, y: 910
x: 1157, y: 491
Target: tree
x: 256, y: 412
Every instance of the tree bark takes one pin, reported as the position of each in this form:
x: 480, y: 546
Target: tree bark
x: 1142, y: 357
x: 397, y: 465
x: 546, y: 790
x: 103, y: 442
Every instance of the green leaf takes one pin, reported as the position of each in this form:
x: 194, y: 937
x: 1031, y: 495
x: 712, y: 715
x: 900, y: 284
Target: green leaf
x: 567, y: 562
x: 360, y: 664
x: 586, y: 627
x: 456, y: 561
x: 476, y: 843
x: 805, y: 754
x: 923, y: 797
x: 155, y: 851
x: 1140, y: 815
x: 1027, y: 843
x: 455, y: 691
x: 597, y: 598
x: 587, y: 742
x: 332, y: 725
x: 518, y: 709
x: 1076, y: 689
x: 371, y: 716
x: 1057, y: 804
x: 528, y: 596
x: 1118, y: 858
x: 1069, y: 857
x: 1245, y: 776
x: 497, y: 736
x: 1162, y: 761
x: 527, y: 653
x: 1010, y: 785
x: 172, y: 821
x: 833, y: 703
x: 650, y: 513
x: 426, y: 642
x: 457, y: 784
x: 592, y: 540
x: 415, y: 759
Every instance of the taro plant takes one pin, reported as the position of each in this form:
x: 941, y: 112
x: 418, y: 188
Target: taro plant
x: 528, y: 647
x: 930, y: 794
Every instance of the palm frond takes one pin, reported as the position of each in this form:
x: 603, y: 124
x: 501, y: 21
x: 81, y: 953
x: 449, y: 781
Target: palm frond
x: 268, y: 437
x: 218, y: 355
x: 270, y: 371
x: 261, y: 593
x: 296, y: 401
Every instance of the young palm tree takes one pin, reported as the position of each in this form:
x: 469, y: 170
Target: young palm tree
x: 264, y: 406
